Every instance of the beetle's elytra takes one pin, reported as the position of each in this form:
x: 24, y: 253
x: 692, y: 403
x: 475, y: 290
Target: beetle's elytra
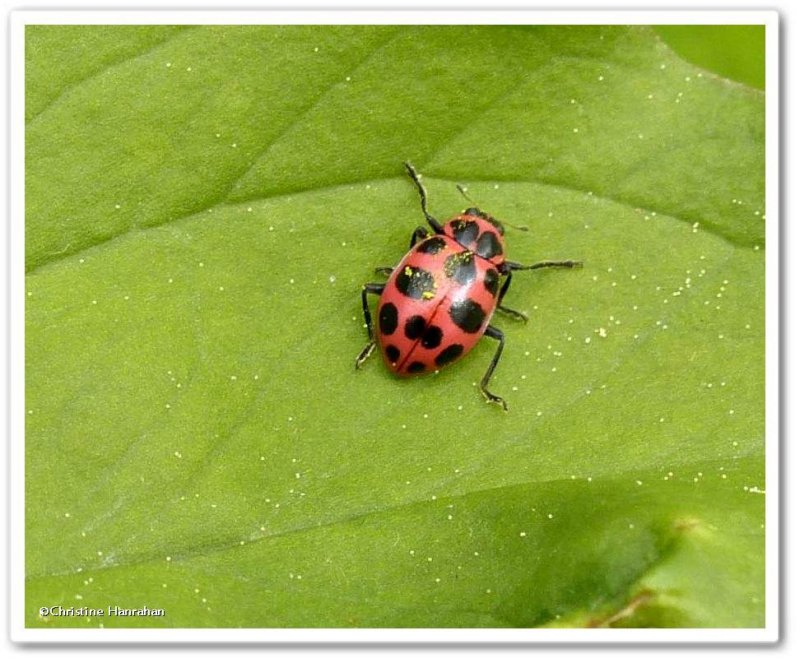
x: 439, y: 300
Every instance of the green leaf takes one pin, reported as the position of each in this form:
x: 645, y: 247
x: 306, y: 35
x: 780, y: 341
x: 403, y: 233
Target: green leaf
x: 203, y: 206
x: 733, y: 51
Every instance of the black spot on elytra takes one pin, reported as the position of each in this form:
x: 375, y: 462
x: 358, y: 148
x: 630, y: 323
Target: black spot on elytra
x: 467, y: 315
x: 461, y: 267
x: 450, y: 353
x: 464, y: 232
x: 488, y: 245
x: 387, y: 318
x: 432, y: 338
x: 414, y: 327
x: 431, y: 245
x: 416, y: 367
x: 491, y: 280
x: 415, y: 283
x: 392, y: 353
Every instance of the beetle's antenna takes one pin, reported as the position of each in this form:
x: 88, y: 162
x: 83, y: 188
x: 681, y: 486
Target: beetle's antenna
x: 463, y: 191
x: 423, y: 198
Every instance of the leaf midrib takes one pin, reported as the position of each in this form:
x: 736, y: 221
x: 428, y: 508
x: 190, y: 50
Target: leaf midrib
x: 564, y: 188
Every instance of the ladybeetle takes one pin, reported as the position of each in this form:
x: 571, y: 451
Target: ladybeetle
x: 439, y: 300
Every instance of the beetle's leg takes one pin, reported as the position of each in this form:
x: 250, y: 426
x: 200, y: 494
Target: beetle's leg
x: 368, y: 289
x: 517, y: 315
x: 514, y: 266
x: 423, y: 198
x: 509, y: 267
x: 495, y: 333
x: 386, y: 271
x: 421, y: 232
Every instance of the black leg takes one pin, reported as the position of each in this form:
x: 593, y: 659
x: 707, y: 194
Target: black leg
x: 517, y: 315
x: 385, y: 271
x: 423, y: 197
x: 368, y: 289
x: 513, y: 313
x: 493, y: 332
x: 514, y: 266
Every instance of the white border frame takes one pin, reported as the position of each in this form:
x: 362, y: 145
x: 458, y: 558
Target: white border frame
x: 21, y: 634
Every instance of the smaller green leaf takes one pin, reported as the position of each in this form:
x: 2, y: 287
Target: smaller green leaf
x: 733, y: 51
